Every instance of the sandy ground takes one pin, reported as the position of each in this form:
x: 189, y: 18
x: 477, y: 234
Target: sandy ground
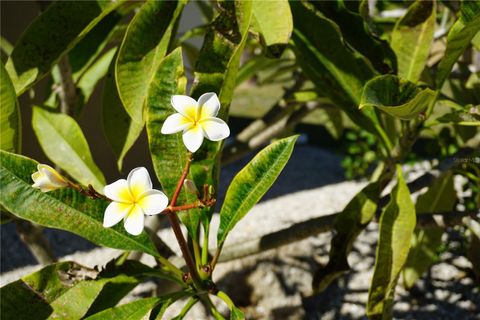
x: 276, y: 284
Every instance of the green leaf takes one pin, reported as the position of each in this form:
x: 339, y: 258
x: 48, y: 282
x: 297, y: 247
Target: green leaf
x: 273, y: 20
x: 397, y: 224
x: 337, y: 72
x: 121, y: 131
x: 50, y: 36
x: 356, y: 32
x: 39, y: 289
x: 440, y: 197
x: 353, y: 219
x: 458, y: 39
x: 144, y: 46
x: 62, y: 140
x: 397, y: 97
x: 216, y: 71
x: 412, y: 38
x: 63, y: 209
x: 85, y: 52
x: 10, y: 124
x: 169, y: 155
x: 5, y: 46
x: 251, y: 183
x: 140, y: 309
x: 136, y: 310
x: 89, y: 80
x: 77, y: 301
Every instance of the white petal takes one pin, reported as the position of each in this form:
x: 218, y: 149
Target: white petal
x: 209, y: 105
x: 115, y: 212
x: 215, y: 129
x: 193, y: 138
x: 139, y: 182
x: 134, y: 221
x: 176, y: 123
x: 52, y: 175
x: 153, y: 202
x: 118, y: 191
x: 185, y: 105
x: 41, y: 182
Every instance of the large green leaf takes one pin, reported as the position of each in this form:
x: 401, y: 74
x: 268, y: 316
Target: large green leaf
x: 63, y: 142
x: 144, y: 46
x: 51, y: 35
x: 341, y: 72
x: 136, y: 310
x: 78, y: 300
x: 397, y: 224
x: 10, y: 130
x: 169, y: 155
x: 458, y: 39
x: 121, y: 131
x: 149, y: 308
x: 39, y: 289
x: 397, y: 97
x: 63, y: 209
x: 251, y: 183
x: 354, y: 218
x: 337, y: 72
x: 412, y: 38
x: 356, y: 32
x: 440, y: 197
x: 216, y: 71
x: 273, y: 20
x: 85, y: 52
x: 63, y: 290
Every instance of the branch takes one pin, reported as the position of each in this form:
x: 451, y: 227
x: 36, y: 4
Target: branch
x: 68, y: 94
x: 34, y: 239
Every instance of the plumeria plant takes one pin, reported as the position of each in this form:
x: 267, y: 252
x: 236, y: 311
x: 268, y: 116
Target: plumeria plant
x: 398, y: 77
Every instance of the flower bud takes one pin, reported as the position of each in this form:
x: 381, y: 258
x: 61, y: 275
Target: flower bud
x: 48, y: 179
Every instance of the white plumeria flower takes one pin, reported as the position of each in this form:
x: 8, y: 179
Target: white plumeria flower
x: 132, y: 199
x: 48, y: 179
x: 196, y: 120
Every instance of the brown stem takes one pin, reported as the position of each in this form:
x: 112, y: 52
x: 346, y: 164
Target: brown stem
x: 174, y: 221
x: 68, y: 94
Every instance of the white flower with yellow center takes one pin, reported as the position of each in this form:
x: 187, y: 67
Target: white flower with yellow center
x: 48, y: 179
x: 132, y: 199
x: 197, y: 120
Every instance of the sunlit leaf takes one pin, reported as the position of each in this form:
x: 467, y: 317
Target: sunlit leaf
x: 273, y: 20
x: 10, y: 125
x: 39, y: 289
x: 397, y: 224
x: 144, y: 46
x: 51, y: 35
x: 412, y: 38
x: 63, y: 209
x: 251, y: 183
x: 440, y: 197
x: 459, y: 38
x: 397, y: 97
x: 63, y: 142
x: 136, y: 310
